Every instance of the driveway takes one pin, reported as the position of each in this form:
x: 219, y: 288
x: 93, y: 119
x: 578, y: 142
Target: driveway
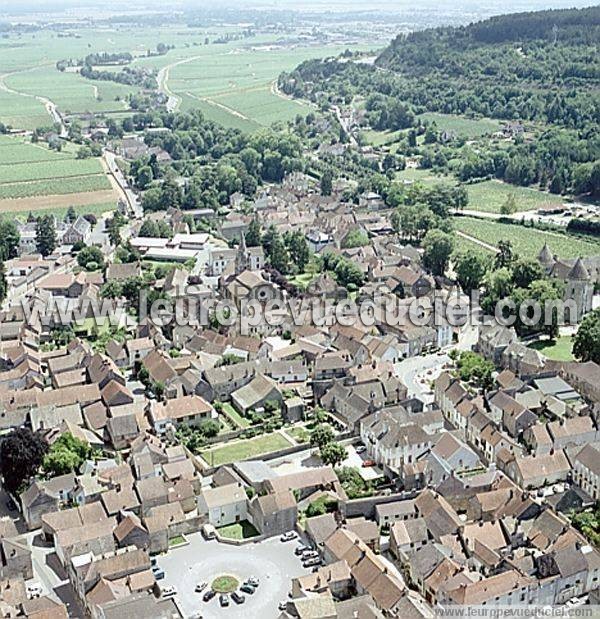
x: 273, y: 562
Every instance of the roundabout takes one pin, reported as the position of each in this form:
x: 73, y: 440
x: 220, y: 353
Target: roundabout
x: 225, y: 584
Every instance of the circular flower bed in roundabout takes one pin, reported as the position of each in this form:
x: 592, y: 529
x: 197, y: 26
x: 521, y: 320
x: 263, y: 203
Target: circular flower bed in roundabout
x: 225, y: 584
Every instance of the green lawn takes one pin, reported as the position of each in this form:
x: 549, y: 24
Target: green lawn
x: 558, y: 350
x: 235, y: 416
x: 176, y: 541
x: 303, y: 280
x: 301, y: 435
x: 427, y: 177
x: 249, y: 448
x: 462, y: 126
x: 527, y: 242
x: 489, y: 197
x: 239, y: 530
x: 381, y: 138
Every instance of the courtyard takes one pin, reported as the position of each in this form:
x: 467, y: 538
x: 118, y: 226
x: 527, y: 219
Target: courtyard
x: 271, y: 561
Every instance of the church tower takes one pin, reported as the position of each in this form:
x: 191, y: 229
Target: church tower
x: 242, y: 258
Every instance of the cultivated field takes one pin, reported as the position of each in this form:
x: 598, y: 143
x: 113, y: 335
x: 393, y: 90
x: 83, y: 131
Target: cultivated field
x: 526, y: 242
x: 232, y: 82
x: 489, y: 197
x: 34, y: 178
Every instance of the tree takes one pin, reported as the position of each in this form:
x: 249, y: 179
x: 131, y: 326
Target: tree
x: 475, y: 369
x: 144, y: 177
x: 321, y: 435
x: 90, y: 257
x: 45, y: 235
x: 355, y: 238
x: 470, y: 267
x: 586, y: 345
x: 9, y: 239
x: 525, y: 271
x: 21, y: 455
x: 298, y: 249
x: 253, y: 236
x: 278, y: 254
x: 66, y: 455
x: 333, y: 454
x: 3, y: 282
x: 327, y: 183
x: 71, y: 215
x: 498, y: 285
x: 111, y: 290
x: 438, y: 247
x: 509, y: 207
x: 505, y: 255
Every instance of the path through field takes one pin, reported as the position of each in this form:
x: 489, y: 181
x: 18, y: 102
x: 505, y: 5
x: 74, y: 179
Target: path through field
x: 483, y: 244
x: 162, y: 79
x: 228, y: 109
x: 48, y: 104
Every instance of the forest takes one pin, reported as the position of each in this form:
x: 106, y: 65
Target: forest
x: 539, y: 69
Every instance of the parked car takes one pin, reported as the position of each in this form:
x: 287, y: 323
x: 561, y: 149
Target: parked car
x: 169, y: 592
x: 253, y: 580
x: 34, y: 590
x: 247, y: 588
x: 200, y: 587
x: 224, y: 599
x: 368, y: 463
x: 208, y: 531
x: 158, y: 574
x: 309, y: 554
x: 312, y: 562
x: 11, y: 505
x: 282, y: 606
x: 209, y: 595
x: 289, y: 536
x: 360, y: 449
x: 300, y: 549
x: 238, y: 598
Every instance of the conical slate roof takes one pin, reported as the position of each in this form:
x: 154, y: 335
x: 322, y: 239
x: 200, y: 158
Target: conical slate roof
x: 579, y: 271
x: 545, y: 256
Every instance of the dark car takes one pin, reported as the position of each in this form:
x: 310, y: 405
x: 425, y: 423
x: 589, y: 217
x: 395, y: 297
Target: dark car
x: 224, y: 599
x: 209, y: 595
x: 238, y: 598
x: 247, y: 588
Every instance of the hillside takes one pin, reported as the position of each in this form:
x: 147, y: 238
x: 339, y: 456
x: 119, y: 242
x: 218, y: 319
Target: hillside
x: 539, y: 71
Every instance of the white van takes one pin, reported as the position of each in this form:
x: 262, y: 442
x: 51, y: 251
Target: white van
x: 209, y: 531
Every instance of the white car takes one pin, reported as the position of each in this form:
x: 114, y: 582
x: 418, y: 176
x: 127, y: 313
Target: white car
x: 289, y: 536
x: 201, y: 586
x: 169, y: 592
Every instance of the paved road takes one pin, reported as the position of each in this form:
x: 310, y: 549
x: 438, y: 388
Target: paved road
x: 130, y: 196
x: 271, y: 561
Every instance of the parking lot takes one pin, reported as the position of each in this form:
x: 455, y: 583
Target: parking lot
x: 273, y: 562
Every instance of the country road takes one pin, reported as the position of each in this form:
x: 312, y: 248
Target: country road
x: 50, y: 106
x: 127, y: 194
x: 162, y: 80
